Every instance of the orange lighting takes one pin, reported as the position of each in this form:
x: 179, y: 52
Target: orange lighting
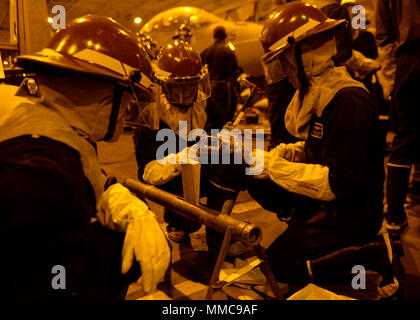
x: 137, y: 20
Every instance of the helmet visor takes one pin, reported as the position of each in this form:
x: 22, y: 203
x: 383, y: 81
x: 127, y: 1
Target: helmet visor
x: 274, y: 70
x: 186, y: 90
x: 180, y: 93
x: 149, y: 116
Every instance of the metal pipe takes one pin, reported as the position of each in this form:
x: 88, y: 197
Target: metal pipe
x: 248, y: 233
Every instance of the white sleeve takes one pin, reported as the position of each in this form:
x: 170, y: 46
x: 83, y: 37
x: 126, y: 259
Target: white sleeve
x: 311, y: 180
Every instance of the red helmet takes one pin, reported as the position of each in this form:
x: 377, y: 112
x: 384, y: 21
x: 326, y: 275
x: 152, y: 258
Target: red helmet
x: 100, y: 47
x: 183, y: 33
x: 181, y: 73
x: 293, y: 23
x: 288, y: 26
x: 184, y: 30
x: 151, y: 46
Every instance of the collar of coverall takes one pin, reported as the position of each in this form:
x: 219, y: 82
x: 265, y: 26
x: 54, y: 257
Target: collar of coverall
x: 325, y: 81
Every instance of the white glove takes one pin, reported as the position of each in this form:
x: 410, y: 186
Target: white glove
x: 361, y: 65
x: 310, y: 180
x: 158, y: 172
x: 230, y: 139
x: 266, y: 158
x: 386, y: 76
x: 144, y: 239
x: 294, y: 152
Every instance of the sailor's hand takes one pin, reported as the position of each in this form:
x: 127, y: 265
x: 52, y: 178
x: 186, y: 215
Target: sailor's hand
x: 158, y: 174
x: 146, y: 243
x: 144, y: 240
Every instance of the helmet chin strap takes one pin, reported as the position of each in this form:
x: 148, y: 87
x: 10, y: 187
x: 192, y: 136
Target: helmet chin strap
x: 116, y: 103
x: 301, y: 74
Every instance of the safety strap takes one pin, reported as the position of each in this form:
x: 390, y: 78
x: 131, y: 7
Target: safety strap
x: 116, y: 104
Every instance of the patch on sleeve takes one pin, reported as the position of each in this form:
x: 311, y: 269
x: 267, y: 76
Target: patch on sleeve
x: 317, y: 130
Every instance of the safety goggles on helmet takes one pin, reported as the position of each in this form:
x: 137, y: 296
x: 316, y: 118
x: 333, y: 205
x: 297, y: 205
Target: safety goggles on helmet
x: 276, y: 64
x: 273, y: 68
x: 184, y: 90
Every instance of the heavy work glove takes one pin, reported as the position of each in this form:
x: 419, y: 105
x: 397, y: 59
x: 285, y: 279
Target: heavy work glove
x: 311, y: 180
x: 159, y: 172
x: 386, y: 76
x: 144, y: 239
x: 362, y: 66
x: 294, y: 152
x: 237, y: 148
x: 230, y: 138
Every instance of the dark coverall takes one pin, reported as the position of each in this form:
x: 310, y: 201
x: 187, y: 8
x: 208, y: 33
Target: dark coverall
x: 398, y: 22
x: 345, y: 138
x: 223, y: 69
x: 47, y: 206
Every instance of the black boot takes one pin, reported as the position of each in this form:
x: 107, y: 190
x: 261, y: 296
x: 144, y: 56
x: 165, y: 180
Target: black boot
x: 397, y: 266
x: 375, y: 256
x: 383, y: 256
x: 396, y: 192
x: 335, y: 267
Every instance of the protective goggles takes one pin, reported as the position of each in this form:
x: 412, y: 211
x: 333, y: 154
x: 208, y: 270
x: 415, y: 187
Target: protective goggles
x: 277, y: 63
x: 186, y: 90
